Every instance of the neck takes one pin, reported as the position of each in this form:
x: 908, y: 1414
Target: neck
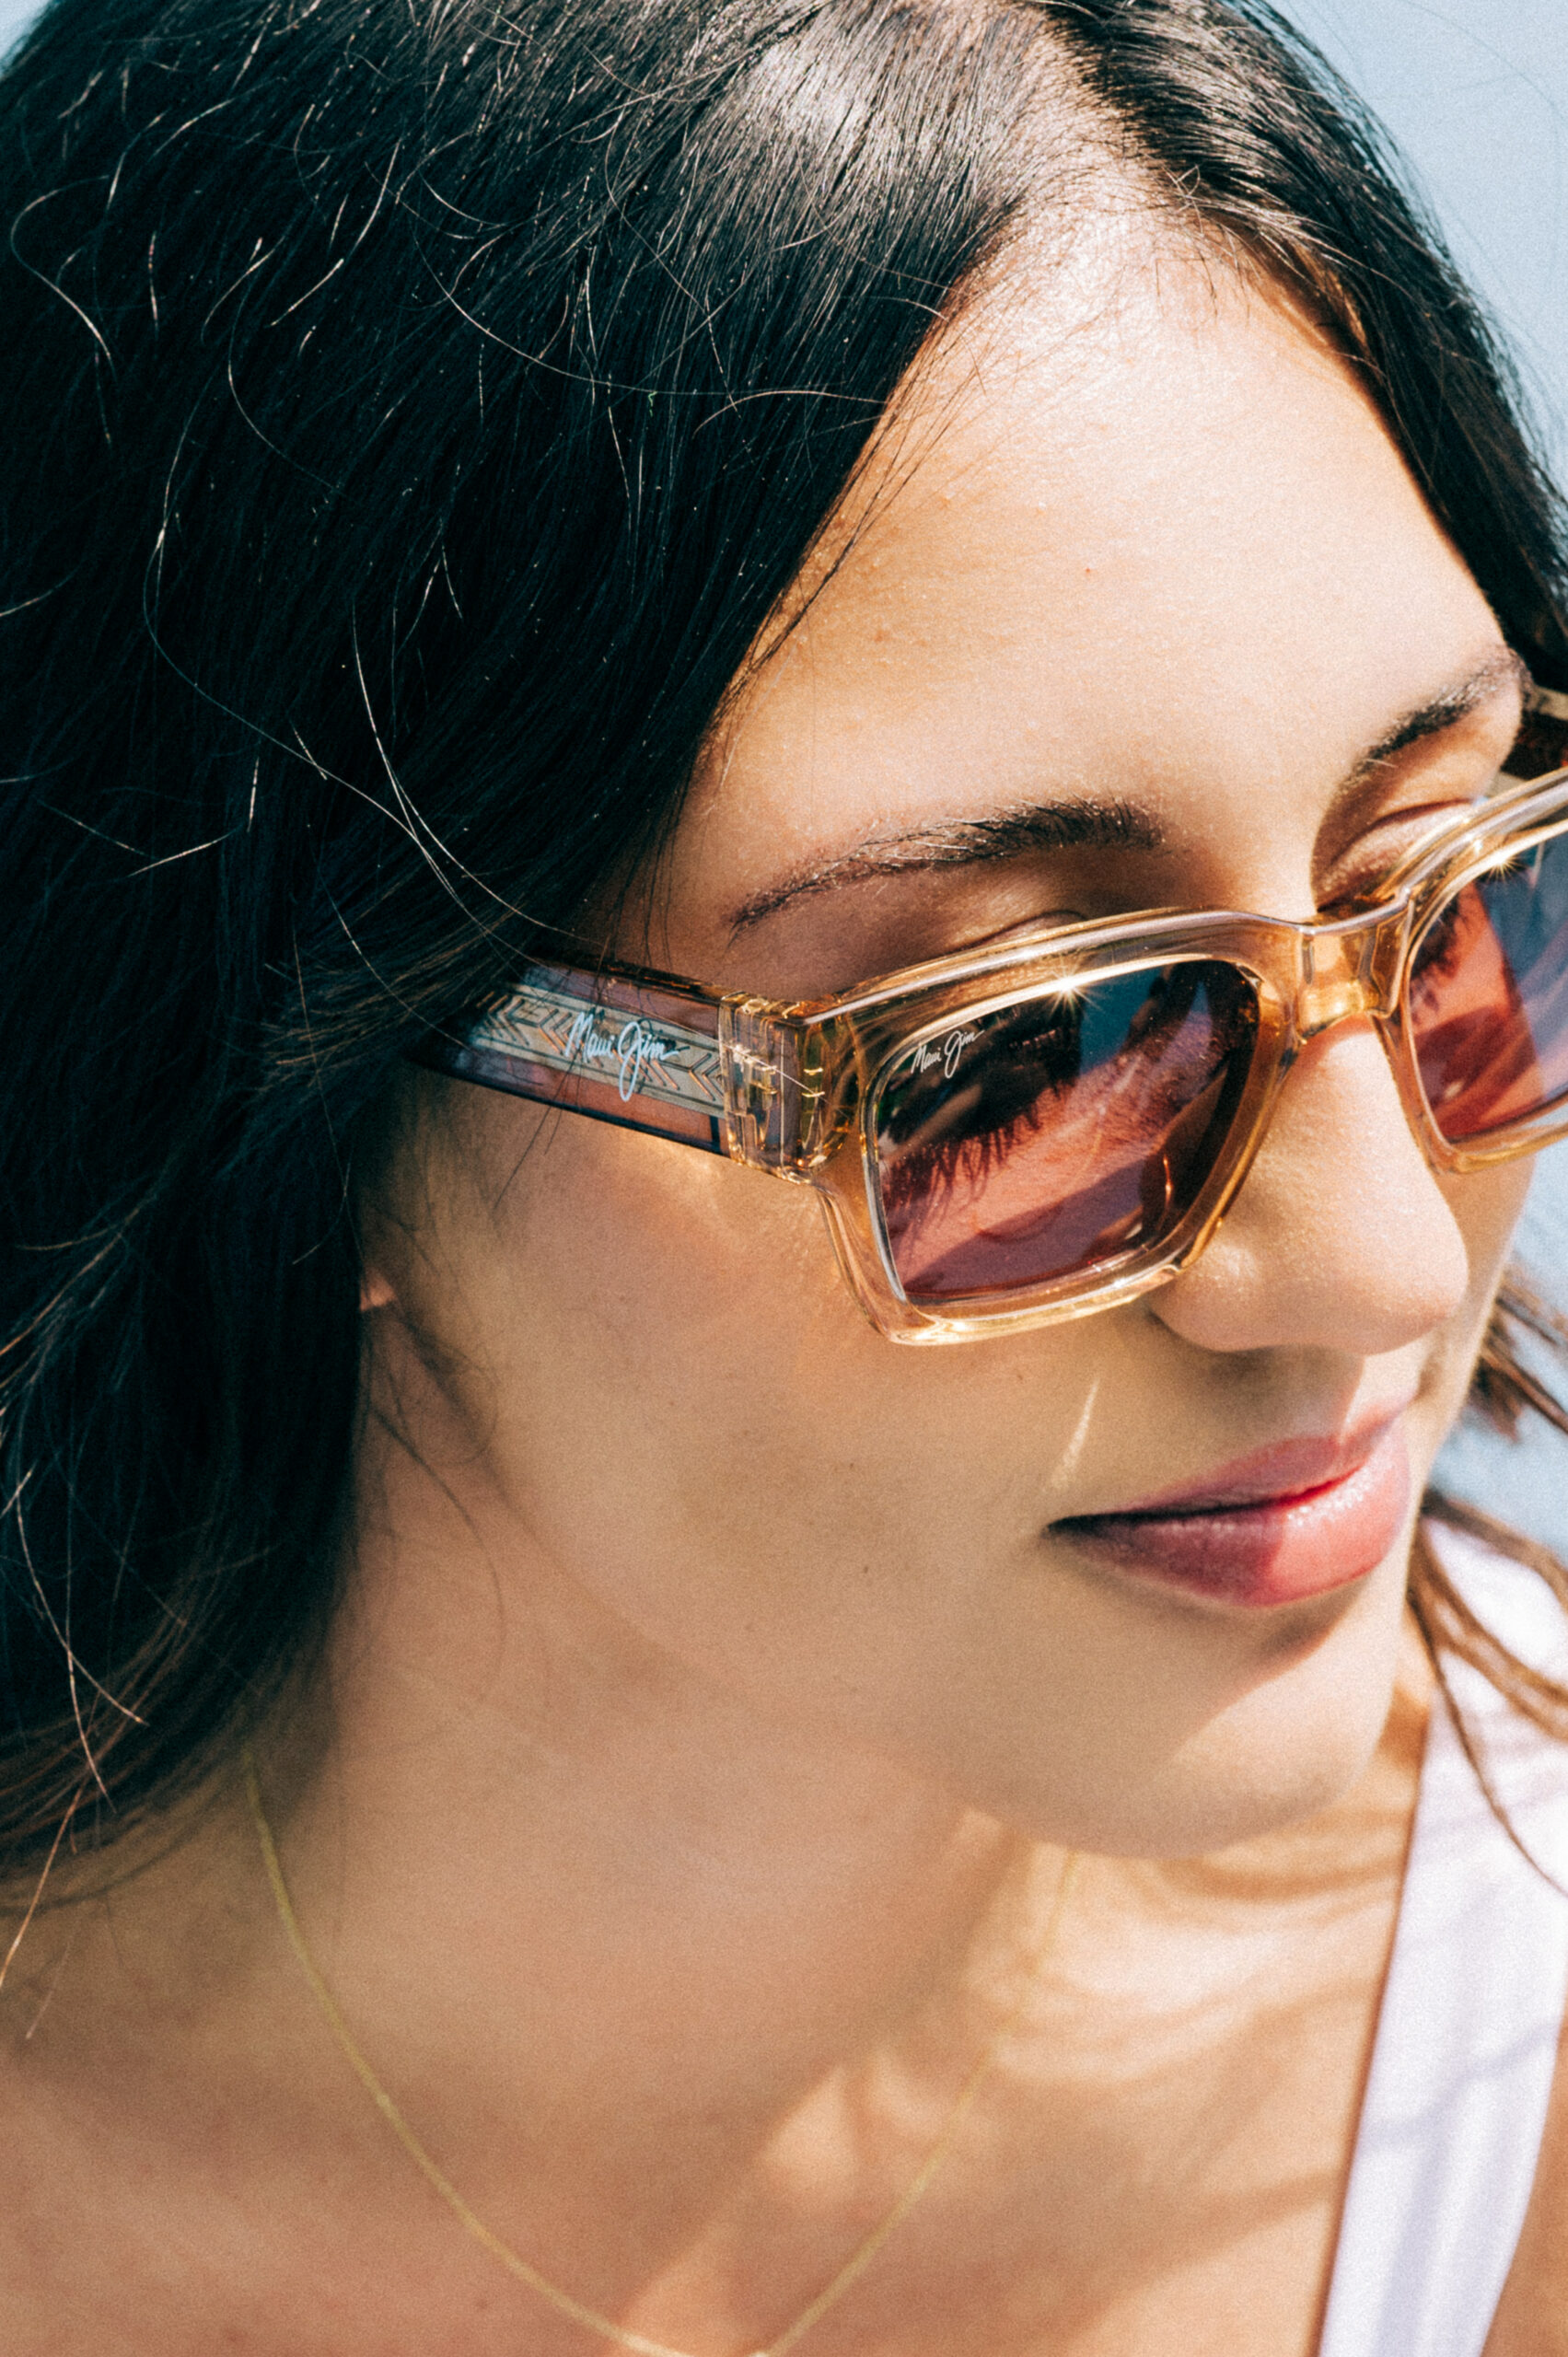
x: 656, y: 1902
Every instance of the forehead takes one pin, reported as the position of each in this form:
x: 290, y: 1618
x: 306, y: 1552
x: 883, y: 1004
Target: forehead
x: 1138, y: 532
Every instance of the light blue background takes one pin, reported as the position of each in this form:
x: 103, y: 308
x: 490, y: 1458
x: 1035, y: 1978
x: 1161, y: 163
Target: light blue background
x: 1476, y: 93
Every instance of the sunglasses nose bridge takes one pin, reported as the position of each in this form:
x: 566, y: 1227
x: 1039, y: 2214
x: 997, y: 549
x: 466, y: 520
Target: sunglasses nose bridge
x: 1348, y: 970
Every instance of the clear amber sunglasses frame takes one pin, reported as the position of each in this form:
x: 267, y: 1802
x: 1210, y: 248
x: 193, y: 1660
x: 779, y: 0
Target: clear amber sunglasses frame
x: 792, y: 1088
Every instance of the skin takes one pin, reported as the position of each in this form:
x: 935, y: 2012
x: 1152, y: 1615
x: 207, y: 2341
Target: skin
x: 714, y: 1698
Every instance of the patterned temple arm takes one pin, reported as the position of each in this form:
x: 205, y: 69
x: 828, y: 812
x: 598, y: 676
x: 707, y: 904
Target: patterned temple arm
x: 644, y: 1055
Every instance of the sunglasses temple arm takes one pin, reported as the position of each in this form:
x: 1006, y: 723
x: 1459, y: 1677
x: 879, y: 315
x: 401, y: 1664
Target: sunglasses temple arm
x: 641, y: 1054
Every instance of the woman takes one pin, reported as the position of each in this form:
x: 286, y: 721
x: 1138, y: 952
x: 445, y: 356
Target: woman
x: 575, y: 1778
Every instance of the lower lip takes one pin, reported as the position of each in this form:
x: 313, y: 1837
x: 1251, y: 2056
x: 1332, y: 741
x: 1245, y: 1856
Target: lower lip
x: 1281, y: 1551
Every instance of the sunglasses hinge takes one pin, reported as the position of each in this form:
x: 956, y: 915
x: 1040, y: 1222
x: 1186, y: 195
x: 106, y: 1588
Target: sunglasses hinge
x: 775, y: 1088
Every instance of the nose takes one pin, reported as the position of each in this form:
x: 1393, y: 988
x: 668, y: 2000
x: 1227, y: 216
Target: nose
x: 1341, y: 1238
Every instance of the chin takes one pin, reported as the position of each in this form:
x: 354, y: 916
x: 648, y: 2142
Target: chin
x: 1282, y: 1746
x: 1235, y: 1792
x: 1226, y: 1793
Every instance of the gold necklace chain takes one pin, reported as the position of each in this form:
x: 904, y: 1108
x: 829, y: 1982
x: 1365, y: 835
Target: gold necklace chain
x: 564, y: 2305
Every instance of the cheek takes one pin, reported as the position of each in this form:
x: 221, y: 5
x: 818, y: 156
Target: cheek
x: 685, y: 1410
x: 1486, y: 1205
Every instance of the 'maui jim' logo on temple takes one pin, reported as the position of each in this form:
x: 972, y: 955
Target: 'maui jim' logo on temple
x: 633, y: 1048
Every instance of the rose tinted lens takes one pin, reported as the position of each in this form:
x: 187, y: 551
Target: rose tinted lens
x: 1488, y: 997
x: 1054, y: 1135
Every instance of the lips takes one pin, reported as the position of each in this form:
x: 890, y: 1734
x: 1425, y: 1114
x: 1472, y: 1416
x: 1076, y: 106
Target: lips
x: 1287, y: 1524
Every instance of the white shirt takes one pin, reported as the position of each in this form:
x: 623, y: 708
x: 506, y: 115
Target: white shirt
x: 1467, y: 2040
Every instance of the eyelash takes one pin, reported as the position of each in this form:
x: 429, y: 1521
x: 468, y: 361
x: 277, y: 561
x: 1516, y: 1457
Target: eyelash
x: 969, y: 1153
x: 1032, y: 1085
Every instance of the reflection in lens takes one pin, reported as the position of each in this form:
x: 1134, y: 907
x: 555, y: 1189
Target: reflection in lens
x: 1022, y: 1145
x: 1488, y: 997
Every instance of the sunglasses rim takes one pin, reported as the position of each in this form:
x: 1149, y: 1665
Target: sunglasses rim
x: 1509, y: 1139
x: 1434, y: 874
x: 1128, y: 1272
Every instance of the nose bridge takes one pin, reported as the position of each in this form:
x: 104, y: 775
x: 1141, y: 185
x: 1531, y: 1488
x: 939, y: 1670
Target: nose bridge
x: 1347, y: 969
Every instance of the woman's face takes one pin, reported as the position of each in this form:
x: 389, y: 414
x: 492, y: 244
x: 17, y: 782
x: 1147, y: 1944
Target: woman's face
x: 1139, y: 540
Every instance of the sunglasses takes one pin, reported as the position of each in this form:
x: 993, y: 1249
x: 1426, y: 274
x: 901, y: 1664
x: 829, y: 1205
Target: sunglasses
x: 1053, y: 1124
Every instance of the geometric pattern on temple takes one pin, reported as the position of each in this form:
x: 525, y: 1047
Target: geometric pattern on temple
x: 643, y: 1054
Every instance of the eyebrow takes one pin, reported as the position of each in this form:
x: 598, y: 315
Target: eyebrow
x: 1445, y: 710
x: 1074, y: 824
x: 1083, y: 823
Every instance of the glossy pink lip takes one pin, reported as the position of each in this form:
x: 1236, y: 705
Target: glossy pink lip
x: 1287, y: 1523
